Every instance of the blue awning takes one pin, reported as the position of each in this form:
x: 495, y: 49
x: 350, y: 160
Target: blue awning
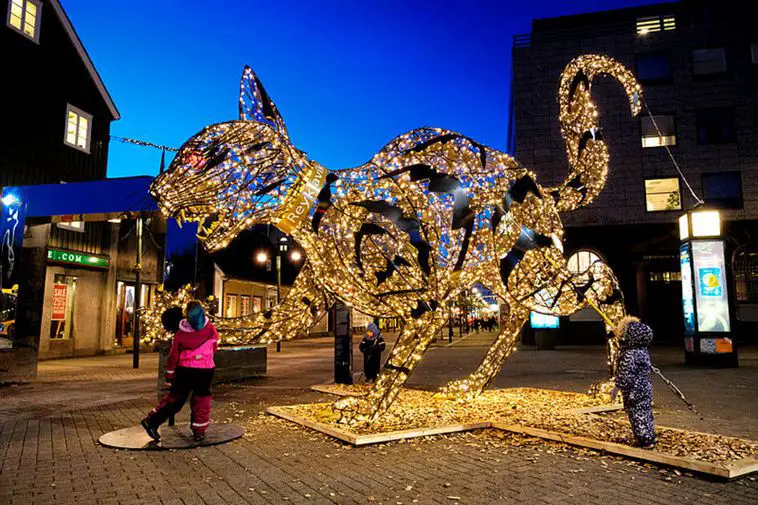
x: 84, y: 200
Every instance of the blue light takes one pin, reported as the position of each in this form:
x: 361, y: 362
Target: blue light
x: 538, y: 320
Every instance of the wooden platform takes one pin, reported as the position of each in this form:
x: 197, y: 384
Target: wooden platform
x: 730, y: 470
x: 327, y: 388
x: 726, y: 470
x: 378, y: 438
x: 172, y: 437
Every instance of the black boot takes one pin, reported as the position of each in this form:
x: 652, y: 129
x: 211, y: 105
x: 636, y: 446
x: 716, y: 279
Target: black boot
x: 151, y: 432
x: 199, y: 437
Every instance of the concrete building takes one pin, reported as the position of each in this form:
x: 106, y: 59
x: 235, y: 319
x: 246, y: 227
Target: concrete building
x: 698, y: 64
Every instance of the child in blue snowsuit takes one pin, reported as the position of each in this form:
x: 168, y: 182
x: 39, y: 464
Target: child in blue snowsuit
x: 372, y: 347
x: 633, y: 379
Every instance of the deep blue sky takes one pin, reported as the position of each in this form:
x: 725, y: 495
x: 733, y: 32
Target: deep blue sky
x: 347, y: 75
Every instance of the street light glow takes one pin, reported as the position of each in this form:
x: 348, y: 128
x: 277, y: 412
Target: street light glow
x: 261, y: 257
x: 296, y: 256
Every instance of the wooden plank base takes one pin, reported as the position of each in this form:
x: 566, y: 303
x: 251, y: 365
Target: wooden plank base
x: 727, y: 470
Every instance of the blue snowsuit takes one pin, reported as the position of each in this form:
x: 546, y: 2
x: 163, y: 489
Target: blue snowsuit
x: 372, y: 347
x: 633, y: 380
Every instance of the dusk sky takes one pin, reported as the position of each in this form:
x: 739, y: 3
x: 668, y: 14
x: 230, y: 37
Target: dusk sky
x: 347, y: 76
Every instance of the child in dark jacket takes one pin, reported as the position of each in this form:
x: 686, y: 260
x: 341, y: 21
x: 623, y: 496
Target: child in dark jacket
x: 189, y: 370
x: 633, y: 379
x: 372, y: 347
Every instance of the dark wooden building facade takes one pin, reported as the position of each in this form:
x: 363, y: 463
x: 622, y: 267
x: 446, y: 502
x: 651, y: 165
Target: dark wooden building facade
x: 57, y: 112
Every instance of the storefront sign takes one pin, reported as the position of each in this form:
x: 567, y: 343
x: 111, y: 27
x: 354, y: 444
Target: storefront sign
x: 59, y: 302
x: 710, y: 286
x: 76, y: 258
x: 688, y: 301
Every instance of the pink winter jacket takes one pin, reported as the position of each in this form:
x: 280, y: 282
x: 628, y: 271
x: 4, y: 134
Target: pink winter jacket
x: 192, y: 349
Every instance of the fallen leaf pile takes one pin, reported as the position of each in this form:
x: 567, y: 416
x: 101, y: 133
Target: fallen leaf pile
x: 537, y: 408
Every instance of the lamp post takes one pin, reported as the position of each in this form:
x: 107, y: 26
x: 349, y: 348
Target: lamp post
x: 262, y: 258
x: 283, y: 246
x: 706, y: 301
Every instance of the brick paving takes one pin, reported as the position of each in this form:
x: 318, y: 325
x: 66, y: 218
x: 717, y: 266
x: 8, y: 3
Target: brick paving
x: 49, y: 428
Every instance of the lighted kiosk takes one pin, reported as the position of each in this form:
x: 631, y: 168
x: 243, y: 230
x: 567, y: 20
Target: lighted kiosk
x: 705, y: 295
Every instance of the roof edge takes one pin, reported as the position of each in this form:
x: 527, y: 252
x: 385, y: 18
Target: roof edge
x: 64, y: 19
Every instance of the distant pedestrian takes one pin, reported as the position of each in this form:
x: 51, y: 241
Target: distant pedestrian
x: 372, y: 347
x: 633, y: 379
x: 189, y: 370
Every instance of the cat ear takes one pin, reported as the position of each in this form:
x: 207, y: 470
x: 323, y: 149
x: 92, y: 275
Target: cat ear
x: 256, y: 105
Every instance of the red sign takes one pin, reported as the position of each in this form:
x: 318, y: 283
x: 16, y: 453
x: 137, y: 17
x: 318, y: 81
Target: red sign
x: 59, y: 302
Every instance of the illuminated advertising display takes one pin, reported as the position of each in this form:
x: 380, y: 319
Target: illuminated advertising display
x: 709, y: 268
x: 538, y: 320
x: 688, y: 300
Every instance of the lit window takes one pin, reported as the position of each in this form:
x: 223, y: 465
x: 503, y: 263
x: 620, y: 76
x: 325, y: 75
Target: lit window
x: 662, y: 194
x: 709, y: 61
x: 650, y: 134
x: 78, y: 127
x: 230, y: 306
x: 754, y: 53
x: 245, y: 305
x: 652, y: 24
x: 77, y: 226
x: 23, y: 16
x: 723, y: 190
x: 580, y: 261
x: 665, y: 277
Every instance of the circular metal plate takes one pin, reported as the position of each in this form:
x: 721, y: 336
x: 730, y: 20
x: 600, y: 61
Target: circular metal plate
x: 172, y: 437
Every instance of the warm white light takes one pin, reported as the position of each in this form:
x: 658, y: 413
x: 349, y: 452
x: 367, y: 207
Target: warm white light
x: 706, y: 223
x: 684, y: 231
x: 261, y: 257
x: 296, y: 256
x: 9, y: 200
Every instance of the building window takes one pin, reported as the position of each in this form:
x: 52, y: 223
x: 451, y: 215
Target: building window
x: 723, y: 190
x: 24, y: 16
x: 754, y: 53
x: 665, y: 277
x: 230, y: 306
x: 709, y: 61
x: 652, y: 24
x: 580, y: 261
x: 662, y: 194
x: 746, y: 275
x: 245, y: 305
x: 78, y: 127
x: 257, y: 304
x: 650, y: 134
x: 716, y: 126
x: 77, y: 226
x: 63, y: 311
x: 653, y: 67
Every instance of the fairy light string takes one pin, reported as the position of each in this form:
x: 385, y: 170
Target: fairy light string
x: 403, y: 235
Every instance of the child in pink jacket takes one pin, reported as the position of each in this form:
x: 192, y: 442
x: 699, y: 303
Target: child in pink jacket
x: 189, y: 369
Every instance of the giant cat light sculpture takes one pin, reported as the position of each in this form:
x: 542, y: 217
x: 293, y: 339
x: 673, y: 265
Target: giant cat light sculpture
x: 430, y: 215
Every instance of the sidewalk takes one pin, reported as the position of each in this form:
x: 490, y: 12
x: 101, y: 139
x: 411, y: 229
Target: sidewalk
x: 49, y: 428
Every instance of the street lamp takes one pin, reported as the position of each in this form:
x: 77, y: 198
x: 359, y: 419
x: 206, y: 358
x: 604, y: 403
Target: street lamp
x: 705, y: 295
x: 283, y: 247
x: 261, y: 257
x: 296, y: 256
